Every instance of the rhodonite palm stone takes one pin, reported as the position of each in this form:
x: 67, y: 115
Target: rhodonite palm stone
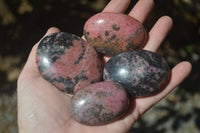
x: 112, y: 33
x: 140, y: 72
x: 99, y: 103
x: 68, y: 62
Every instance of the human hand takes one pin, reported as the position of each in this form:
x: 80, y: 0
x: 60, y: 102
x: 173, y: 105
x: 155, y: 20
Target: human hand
x: 42, y: 108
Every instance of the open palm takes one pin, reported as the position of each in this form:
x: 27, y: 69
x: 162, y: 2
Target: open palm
x: 44, y: 109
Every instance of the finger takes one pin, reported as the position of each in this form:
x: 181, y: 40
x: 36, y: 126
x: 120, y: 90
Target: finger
x: 117, y: 6
x: 178, y: 74
x: 158, y: 33
x: 30, y: 69
x: 142, y: 9
x: 50, y: 31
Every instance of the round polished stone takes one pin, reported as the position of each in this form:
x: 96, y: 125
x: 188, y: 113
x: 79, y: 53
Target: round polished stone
x: 140, y: 72
x: 68, y: 62
x: 112, y: 33
x: 99, y: 103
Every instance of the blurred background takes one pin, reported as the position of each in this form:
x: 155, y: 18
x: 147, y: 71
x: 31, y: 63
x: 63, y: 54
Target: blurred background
x: 24, y: 22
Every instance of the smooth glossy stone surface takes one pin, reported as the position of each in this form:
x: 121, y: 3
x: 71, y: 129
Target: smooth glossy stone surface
x: 99, y: 103
x: 113, y: 33
x: 140, y: 72
x: 68, y: 62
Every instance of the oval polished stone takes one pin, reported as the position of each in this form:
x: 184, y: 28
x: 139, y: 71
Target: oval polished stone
x: 68, y: 62
x: 140, y: 72
x: 99, y: 103
x: 113, y: 33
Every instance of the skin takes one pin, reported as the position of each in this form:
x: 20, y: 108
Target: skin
x: 42, y: 108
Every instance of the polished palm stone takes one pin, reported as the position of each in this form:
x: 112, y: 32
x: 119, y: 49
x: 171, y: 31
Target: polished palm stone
x: 99, y: 103
x: 68, y: 62
x: 140, y: 72
x: 112, y: 33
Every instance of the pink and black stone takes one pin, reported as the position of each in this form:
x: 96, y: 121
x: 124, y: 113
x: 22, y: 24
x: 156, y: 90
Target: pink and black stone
x: 112, y: 33
x: 99, y: 103
x: 68, y: 62
x: 141, y: 73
